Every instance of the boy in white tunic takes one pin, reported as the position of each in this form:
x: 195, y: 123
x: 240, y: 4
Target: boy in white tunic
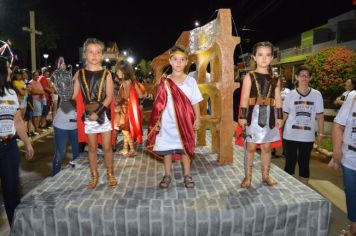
x: 175, y: 117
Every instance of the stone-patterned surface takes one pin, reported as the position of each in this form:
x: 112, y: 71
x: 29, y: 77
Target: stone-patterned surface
x: 61, y: 205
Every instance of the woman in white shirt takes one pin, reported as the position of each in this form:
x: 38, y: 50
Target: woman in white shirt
x: 11, y: 123
x: 301, y: 107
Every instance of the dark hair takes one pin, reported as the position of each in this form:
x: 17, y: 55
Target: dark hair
x: 301, y: 68
x: 4, y: 84
x: 264, y: 44
x: 126, y: 69
x: 16, y: 72
x: 178, y: 48
x: 353, y: 81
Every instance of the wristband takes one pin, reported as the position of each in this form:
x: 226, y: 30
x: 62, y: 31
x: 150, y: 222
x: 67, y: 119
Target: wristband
x: 100, y: 110
x: 279, y: 113
x: 243, y: 113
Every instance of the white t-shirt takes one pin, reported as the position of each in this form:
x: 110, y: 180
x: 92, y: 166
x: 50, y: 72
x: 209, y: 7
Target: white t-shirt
x: 302, y: 110
x: 168, y: 137
x: 347, y: 117
x: 351, y: 95
x: 66, y: 121
x: 9, y: 104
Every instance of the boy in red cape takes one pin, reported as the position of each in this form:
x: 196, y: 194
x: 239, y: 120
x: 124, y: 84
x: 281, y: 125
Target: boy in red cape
x: 94, y: 91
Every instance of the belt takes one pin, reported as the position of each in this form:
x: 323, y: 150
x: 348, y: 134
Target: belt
x: 91, y: 107
x: 352, y: 148
x: 7, y: 138
x: 261, y: 101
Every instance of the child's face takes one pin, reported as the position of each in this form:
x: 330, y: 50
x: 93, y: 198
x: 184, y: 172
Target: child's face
x: 178, y: 62
x: 120, y: 74
x: 303, y: 78
x: 263, y: 57
x: 93, y: 54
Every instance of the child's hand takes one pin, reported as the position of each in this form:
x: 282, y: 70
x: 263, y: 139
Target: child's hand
x: 158, y: 126
x: 93, y: 116
x: 243, y: 123
x: 196, y: 124
x: 279, y: 123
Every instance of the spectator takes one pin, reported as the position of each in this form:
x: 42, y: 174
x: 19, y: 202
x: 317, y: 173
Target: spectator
x: 10, y: 123
x: 47, y: 98
x: 37, y: 94
x: 350, y: 86
x: 301, y: 107
x: 344, y: 154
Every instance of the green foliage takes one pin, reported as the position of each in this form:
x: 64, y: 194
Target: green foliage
x: 331, y: 67
x: 145, y: 68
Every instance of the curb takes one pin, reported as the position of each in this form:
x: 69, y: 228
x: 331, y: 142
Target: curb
x: 20, y: 144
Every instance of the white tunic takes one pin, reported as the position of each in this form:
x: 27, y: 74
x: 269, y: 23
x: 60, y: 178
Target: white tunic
x: 347, y: 117
x: 168, y: 137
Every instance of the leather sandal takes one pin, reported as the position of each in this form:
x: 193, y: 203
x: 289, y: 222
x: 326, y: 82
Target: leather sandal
x: 165, y: 181
x: 188, y: 181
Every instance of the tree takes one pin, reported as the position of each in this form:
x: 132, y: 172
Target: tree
x: 145, y: 68
x: 331, y: 67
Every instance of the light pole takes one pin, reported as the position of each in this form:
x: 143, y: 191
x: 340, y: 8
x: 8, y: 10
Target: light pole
x: 130, y: 60
x: 45, y: 56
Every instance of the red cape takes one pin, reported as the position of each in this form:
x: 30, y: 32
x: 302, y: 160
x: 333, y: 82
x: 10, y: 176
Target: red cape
x: 184, y: 116
x: 82, y: 137
x: 135, y: 115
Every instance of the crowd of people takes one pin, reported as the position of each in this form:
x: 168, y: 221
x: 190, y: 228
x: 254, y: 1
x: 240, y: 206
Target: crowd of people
x: 95, y: 104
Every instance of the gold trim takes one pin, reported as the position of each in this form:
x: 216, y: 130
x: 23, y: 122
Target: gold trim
x: 84, y: 79
x: 260, y: 99
x: 101, y: 85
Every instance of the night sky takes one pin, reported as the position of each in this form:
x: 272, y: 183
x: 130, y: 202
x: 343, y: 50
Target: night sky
x: 148, y: 28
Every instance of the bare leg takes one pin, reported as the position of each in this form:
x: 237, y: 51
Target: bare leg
x: 167, y: 172
x: 266, y: 161
x: 251, y: 149
x: 108, y: 158
x: 92, y: 147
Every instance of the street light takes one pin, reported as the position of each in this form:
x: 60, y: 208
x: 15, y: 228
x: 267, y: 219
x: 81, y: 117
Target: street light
x: 125, y: 53
x: 107, y: 59
x: 196, y: 23
x: 45, y: 56
x: 130, y: 60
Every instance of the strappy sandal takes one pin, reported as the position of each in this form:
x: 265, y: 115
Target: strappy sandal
x: 165, y: 181
x: 131, y: 153
x: 188, y: 181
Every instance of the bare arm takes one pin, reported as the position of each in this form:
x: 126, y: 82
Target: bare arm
x: 196, y: 109
x: 337, y: 135
x: 245, y: 94
x: 21, y: 132
x: 320, y: 119
x: 76, y: 86
x: 109, y: 91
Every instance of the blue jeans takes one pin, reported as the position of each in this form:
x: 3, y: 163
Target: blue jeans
x: 9, y: 174
x: 61, y: 136
x: 350, y: 191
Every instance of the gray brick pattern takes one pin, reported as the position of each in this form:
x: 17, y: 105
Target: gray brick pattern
x: 62, y: 205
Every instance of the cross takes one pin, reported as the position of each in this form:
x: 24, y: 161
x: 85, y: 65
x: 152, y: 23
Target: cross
x: 32, y: 30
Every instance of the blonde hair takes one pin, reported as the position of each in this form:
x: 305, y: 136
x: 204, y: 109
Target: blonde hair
x: 93, y: 41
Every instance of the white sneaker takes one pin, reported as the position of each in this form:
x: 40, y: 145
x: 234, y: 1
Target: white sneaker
x: 72, y: 164
x: 100, y: 151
